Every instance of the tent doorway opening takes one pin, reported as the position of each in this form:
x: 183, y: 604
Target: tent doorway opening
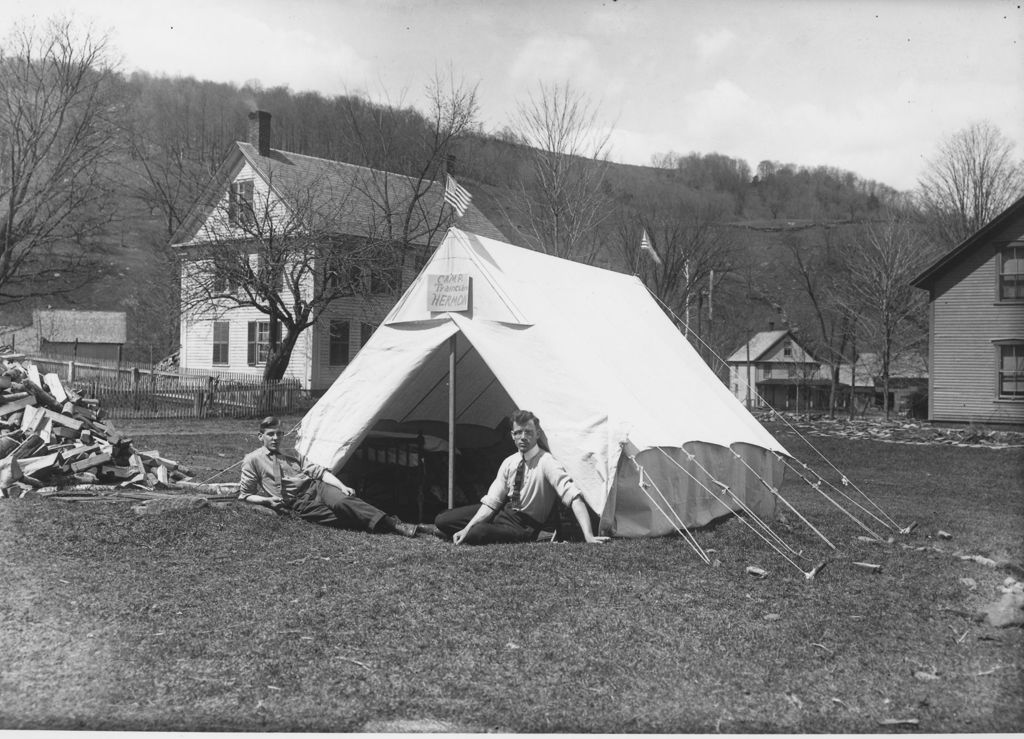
x: 402, y: 464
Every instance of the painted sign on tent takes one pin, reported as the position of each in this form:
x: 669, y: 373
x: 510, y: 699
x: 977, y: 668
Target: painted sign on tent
x: 448, y: 293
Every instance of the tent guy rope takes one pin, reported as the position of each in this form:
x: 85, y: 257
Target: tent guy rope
x: 794, y: 429
x: 743, y: 519
x: 680, y: 527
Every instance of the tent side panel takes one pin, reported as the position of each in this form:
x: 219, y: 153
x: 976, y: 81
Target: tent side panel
x: 683, y: 492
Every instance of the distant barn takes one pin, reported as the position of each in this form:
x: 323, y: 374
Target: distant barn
x: 81, y: 334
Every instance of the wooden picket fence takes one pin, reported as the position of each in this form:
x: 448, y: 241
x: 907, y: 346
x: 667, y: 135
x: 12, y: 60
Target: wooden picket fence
x: 134, y: 392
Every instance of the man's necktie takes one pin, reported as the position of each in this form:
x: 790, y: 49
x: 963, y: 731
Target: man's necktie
x: 517, y: 482
x: 280, y: 477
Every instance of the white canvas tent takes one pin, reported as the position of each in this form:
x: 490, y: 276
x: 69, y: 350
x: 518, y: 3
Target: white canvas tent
x: 619, y: 391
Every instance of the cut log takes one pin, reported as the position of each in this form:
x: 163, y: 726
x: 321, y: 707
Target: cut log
x: 7, y: 445
x: 87, y: 464
x: 33, y: 465
x: 80, y: 411
x: 64, y: 432
x: 117, y: 471
x: 155, y: 458
x: 31, y: 443
x: 13, y: 406
x: 79, y: 452
x: 55, y: 386
x: 32, y: 419
x: 64, y: 420
x: 42, y: 396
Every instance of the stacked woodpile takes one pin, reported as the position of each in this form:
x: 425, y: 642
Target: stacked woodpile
x: 52, y: 436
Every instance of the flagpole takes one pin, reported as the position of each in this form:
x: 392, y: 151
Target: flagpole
x: 711, y: 297
x: 686, y: 277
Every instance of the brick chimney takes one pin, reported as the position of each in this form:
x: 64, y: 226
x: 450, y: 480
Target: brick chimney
x: 259, y: 131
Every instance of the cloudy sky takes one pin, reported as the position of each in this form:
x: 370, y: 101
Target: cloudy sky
x: 871, y: 87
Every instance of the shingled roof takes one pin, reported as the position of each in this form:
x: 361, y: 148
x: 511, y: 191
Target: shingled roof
x: 342, y: 197
x: 759, y: 343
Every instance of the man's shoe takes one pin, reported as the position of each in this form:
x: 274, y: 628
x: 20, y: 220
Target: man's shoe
x: 428, y: 528
x: 405, y: 529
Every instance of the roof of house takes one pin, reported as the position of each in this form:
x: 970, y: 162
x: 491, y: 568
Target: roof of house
x: 905, y: 366
x: 760, y: 344
x: 947, y: 260
x: 347, y: 198
x: 84, y: 326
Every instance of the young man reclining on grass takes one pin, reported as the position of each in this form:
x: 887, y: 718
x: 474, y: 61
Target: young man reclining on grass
x: 275, y: 480
x: 522, y: 497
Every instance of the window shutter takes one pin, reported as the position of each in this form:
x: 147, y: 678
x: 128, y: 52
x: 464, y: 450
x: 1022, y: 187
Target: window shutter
x: 252, y: 343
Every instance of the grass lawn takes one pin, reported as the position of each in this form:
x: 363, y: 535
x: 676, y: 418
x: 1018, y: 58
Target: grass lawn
x: 232, y: 619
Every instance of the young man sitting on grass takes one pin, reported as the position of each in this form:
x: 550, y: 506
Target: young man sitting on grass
x: 276, y: 480
x: 522, y: 497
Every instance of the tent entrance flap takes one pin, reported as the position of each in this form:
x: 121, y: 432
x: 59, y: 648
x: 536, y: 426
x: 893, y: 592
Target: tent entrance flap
x: 480, y: 400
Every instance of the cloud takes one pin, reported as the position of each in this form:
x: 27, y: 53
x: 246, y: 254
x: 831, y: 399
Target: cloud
x: 555, y: 58
x: 711, y: 45
x: 724, y: 106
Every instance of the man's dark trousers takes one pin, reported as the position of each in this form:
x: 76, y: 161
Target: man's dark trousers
x: 325, y: 504
x: 506, y: 526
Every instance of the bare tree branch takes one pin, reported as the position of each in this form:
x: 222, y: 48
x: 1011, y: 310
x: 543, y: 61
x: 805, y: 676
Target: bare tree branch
x: 563, y: 197
x: 57, y: 130
x: 973, y: 177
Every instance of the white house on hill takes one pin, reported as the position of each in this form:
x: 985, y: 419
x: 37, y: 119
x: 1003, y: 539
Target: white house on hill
x: 325, y: 223
x: 771, y: 369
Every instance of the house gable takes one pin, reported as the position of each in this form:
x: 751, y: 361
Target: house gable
x: 303, y: 194
x: 1007, y: 226
x: 976, y: 328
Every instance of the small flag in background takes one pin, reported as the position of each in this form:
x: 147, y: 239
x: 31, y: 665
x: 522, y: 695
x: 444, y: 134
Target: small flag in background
x: 645, y: 245
x: 456, y: 195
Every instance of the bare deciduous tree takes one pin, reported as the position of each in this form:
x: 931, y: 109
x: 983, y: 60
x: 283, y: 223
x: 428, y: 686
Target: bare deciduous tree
x: 883, y: 259
x: 57, y: 116
x: 973, y: 177
x: 563, y: 196
x: 817, y: 262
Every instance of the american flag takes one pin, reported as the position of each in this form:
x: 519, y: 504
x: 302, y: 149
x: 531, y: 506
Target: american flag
x: 456, y: 195
x: 645, y: 245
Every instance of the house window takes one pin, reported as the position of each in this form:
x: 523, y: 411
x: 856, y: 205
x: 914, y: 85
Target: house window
x: 271, y: 275
x: 365, y: 332
x: 240, y: 210
x: 351, y: 280
x: 338, y: 344
x: 1011, y: 272
x: 221, y: 331
x: 1011, y: 371
x: 787, y: 350
x: 385, y: 281
x: 259, y: 342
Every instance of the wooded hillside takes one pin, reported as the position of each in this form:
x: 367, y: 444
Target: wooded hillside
x: 740, y: 246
